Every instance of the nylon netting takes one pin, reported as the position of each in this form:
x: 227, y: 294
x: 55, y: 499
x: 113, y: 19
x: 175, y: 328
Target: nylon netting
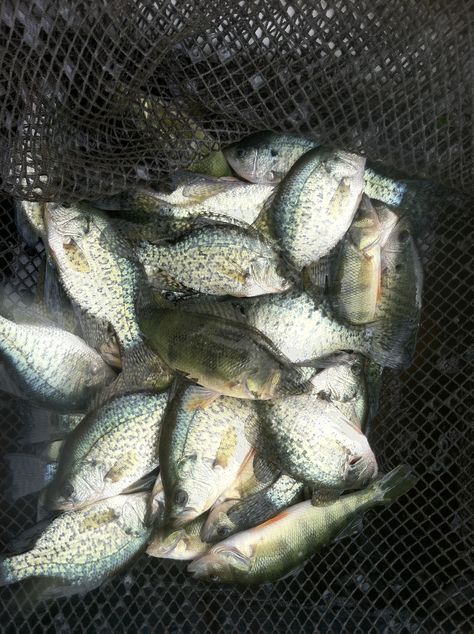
x: 96, y: 96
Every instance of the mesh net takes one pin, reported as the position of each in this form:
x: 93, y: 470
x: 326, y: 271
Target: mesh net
x: 96, y: 96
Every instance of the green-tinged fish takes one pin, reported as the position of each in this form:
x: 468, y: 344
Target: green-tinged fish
x: 356, y: 285
x: 52, y: 367
x: 401, y: 287
x: 315, y: 204
x: 313, y: 442
x: 253, y: 509
x: 220, y: 354
x: 383, y: 188
x: 81, y: 549
x: 266, y: 157
x: 270, y: 551
x: 193, y: 195
x: 201, y: 451
x: 216, y: 260
x: 183, y: 543
x: 212, y: 164
x: 108, y: 451
x: 29, y: 221
x: 40, y: 425
x: 100, y: 281
x: 56, y: 301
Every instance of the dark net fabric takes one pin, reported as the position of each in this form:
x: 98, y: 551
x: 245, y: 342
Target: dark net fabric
x: 95, y: 96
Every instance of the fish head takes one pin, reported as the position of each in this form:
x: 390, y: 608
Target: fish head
x: 218, y: 525
x: 176, y: 544
x: 97, y: 373
x: 80, y: 487
x: 263, y: 382
x: 361, y: 465
x: 342, y: 381
x: 190, y: 495
x: 255, y: 163
x: 264, y: 276
x: 70, y: 220
x: 365, y: 229
x: 223, y: 562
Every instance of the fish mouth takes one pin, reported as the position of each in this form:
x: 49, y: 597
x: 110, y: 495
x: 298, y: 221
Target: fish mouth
x: 184, y: 517
x: 198, y: 567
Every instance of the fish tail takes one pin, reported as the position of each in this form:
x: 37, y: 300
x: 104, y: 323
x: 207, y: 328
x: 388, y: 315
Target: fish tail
x: 392, y: 485
x: 28, y: 473
x: 8, y: 570
x: 389, y: 345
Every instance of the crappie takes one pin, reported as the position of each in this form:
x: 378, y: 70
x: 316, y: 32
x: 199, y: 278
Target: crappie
x: 383, y: 188
x: 194, y: 195
x: 266, y: 157
x: 356, y: 285
x: 273, y: 549
x: 220, y: 354
x: 99, y: 280
x: 81, y: 549
x: 387, y: 220
x: 216, y: 260
x: 52, y: 367
x: 305, y: 328
x: 109, y: 450
x: 255, y: 508
x: 201, y: 451
x: 401, y: 288
x: 179, y: 543
x: 311, y: 441
x: 315, y: 204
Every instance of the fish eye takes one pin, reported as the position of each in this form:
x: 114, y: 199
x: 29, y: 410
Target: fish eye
x: 87, y: 227
x: 67, y: 490
x: 240, y: 153
x: 356, y: 368
x: 323, y: 395
x: 180, y: 497
x: 398, y: 267
x: 222, y: 531
x: 273, y: 152
x: 66, y: 205
x: 214, y: 577
x: 403, y: 235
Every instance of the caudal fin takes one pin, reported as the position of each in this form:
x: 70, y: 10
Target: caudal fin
x: 394, y: 484
x: 28, y: 473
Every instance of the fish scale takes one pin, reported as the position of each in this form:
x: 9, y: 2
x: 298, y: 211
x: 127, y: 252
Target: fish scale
x: 100, y: 540
x: 112, y: 448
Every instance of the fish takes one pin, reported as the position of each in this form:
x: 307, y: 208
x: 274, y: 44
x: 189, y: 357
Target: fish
x: 79, y: 550
x: 183, y: 543
x: 401, y: 290
x: 313, y: 442
x: 256, y: 508
x: 315, y: 204
x: 356, y: 285
x: 254, y: 475
x: 54, y: 368
x: 216, y: 260
x: 29, y: 221
x: 388, y: 218
x: 192, y: 195
x: 212, y: 164
x: 272, y: 550
x: 112, y: 448
x: 266, y: 157
x: 222, y: 355
x: 103, y: 283
x: 383, y: 188
x: 201, y: 451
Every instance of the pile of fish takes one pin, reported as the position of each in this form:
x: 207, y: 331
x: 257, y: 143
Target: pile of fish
x: 200, y: 364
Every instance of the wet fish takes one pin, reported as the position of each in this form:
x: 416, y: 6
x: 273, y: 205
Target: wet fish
x: 313, y: 442
x: 255, y: 508
x: 383, y: 188
x: 100, y: 281
x: 224, y: 356
x: 81, y: 549
x: 108, y: 451
x: 401, y: 289
x: 193, y: 195
x: 201, y: 451
x: 216, y: 260
x: 356, y: 285
x: 266, y: 157
x: 212, y: 164
x: 273, y: 549
x: 387, y: 220
x: 315, y: 204
x: 29, y: 221
x: 183, y: 543
x: 52, y: 367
